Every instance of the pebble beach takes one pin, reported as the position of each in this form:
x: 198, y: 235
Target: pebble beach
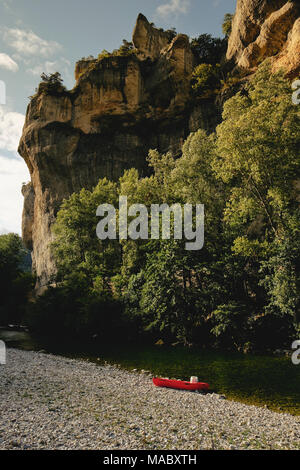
x: 52, y: 402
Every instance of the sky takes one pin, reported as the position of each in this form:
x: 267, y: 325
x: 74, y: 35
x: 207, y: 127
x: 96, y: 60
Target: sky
x: 39, y: 36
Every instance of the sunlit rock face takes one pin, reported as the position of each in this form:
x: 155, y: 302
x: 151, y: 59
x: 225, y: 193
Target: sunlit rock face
x: 120, y: 107
x: 266, y: 28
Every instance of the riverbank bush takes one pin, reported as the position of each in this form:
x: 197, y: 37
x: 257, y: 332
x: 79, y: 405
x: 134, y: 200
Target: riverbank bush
x: 69, y: 314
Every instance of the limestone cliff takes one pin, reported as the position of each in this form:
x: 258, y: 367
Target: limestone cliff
x: 266, y: 28
x: 121, y: 106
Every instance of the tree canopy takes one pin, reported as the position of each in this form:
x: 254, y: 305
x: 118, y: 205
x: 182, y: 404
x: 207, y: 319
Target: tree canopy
x: 246, y: 277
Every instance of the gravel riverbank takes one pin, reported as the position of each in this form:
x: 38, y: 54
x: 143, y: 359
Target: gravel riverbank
x: 52, y: 402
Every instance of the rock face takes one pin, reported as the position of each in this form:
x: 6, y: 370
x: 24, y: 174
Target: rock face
x: 266, y: 28
x: 120, y: 107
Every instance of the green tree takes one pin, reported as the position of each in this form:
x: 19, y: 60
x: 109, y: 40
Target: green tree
x: 11, y: 254
x: 166, y: 303
x: 258, y: 159
x: 206, y: 79
x: 258, y: 153
x: 227, y: 24
x: 208, y: 50
x: 52, y: 79
x: 81, y: 257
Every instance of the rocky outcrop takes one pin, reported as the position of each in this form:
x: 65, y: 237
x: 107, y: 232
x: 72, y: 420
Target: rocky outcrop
x: 265, y: 28
x: 149, y: 40
x: 121, y: 106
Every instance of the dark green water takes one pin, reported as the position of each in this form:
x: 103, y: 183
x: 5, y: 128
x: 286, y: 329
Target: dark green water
x: 260, y: 380
x: 18, y: 339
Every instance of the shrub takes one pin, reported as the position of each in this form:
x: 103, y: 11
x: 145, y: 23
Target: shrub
x: 227, y: 24
x: 209, y: 50
x: 52, y: 83
x: 206, y: 79
x: 230, y: 325
x: 271, y: 331
x: 65, y: 313
x: 127, y: 49
x: 104, y: 54
x: 52, y: 78
x: 16, y: 283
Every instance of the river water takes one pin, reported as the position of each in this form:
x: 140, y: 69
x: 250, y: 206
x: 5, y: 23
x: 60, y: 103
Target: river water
x: 252, y: 379
x: 18, y: 339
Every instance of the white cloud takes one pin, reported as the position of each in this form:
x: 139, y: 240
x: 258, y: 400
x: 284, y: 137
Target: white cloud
x: 50, y: 67
x: 20, y: 58
x: 11, y: 124
x: 7, y: 4
x: 8, y: 63
x: 13, y: 172
x: 28, y: 43
x: 173, y: 7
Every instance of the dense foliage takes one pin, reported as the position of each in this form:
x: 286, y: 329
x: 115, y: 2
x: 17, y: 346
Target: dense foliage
x: 15, y: 279
x: 53, y: 79
x: 126, y: 49
x: 241, y: 291
x: 208, y: 50
x: 206, y: 80
x: 211, y: 68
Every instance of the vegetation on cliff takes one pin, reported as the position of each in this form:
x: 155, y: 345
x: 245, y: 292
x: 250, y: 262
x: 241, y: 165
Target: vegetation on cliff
x: 227, y: 24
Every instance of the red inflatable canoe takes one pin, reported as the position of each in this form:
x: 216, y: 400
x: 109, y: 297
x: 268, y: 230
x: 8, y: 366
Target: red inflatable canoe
x: 180, y: 384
